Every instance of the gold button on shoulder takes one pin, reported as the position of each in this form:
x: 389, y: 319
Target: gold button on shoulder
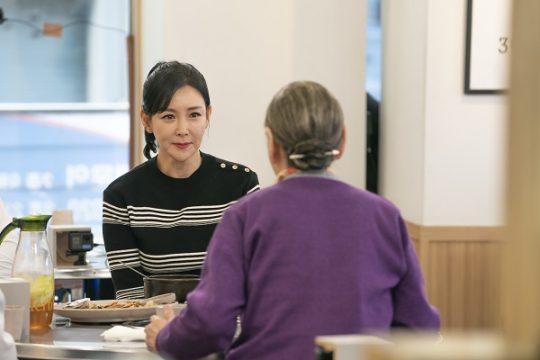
x: 223, y: 166
x: 235, y: 166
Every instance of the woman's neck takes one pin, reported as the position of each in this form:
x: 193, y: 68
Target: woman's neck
x: 282, y: 174
x: 294, y: 172
x: 180, y: 170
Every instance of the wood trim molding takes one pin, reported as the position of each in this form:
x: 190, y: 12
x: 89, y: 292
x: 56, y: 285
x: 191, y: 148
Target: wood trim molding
x: 136, y: 84
x: 453, y: 233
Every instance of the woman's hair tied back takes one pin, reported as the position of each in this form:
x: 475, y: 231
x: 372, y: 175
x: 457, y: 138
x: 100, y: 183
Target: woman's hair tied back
x: 307, y: 121
x: 162, y: 81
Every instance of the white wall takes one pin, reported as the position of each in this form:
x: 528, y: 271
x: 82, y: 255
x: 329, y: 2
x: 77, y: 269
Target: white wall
x: 402, y: 110
x: 443, y: 151
x: 247, y: 50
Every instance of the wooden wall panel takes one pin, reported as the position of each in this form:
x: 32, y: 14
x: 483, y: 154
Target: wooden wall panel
x: 461, y: 267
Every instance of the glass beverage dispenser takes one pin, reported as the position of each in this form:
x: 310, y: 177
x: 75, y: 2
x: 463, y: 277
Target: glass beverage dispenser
x: 33, y: 262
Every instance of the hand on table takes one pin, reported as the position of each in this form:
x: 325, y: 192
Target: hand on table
x: 156, y: 324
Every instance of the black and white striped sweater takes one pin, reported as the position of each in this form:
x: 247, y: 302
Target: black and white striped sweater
x: 162, y: 225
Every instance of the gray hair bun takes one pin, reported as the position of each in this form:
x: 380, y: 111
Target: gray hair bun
x: 312, y: 154
x: 307, y: 121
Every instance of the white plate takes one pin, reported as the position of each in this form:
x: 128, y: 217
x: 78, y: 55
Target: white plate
x: 104, y: 315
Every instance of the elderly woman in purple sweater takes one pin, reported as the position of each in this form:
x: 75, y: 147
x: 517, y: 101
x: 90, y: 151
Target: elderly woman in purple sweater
x: 308, y: 256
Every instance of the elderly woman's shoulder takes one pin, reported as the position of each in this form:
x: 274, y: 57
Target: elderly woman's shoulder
x: 354, y: 194
x: 379, y: 201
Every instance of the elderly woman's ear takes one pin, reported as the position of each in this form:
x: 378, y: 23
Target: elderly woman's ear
x: 276, y: 154
x: 341, y: 146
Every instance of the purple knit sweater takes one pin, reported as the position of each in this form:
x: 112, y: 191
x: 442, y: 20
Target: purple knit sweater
x: 308, y: 256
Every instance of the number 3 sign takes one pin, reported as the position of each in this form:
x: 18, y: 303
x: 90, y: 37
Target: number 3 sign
x: 488, y: 46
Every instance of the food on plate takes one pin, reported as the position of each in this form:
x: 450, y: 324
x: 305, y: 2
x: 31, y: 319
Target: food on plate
x: 86, y: 303
x: 122, y: 304
x: 113, y: 304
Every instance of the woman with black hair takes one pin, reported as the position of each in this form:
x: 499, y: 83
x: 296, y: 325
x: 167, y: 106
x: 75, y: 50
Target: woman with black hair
x: 158, y: 218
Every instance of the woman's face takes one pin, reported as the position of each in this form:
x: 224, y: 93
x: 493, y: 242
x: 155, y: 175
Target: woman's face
x: 179, y: 129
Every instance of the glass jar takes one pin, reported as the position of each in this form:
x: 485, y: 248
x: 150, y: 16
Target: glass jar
x: 33, y: 262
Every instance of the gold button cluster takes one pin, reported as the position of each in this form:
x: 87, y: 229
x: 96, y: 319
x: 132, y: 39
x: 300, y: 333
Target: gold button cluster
x: 234, y: 167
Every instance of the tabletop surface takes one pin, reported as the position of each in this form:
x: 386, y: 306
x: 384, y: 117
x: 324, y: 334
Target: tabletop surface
x: 65, y: 340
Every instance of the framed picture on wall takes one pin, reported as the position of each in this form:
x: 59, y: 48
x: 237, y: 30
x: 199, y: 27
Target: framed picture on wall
x: 488, y: 46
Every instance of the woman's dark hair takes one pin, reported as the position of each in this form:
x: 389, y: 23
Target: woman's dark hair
x: 161, y: 83
x: 307, y: 121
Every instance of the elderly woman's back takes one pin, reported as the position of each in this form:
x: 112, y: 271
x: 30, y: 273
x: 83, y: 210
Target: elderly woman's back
x: 318, y: 257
